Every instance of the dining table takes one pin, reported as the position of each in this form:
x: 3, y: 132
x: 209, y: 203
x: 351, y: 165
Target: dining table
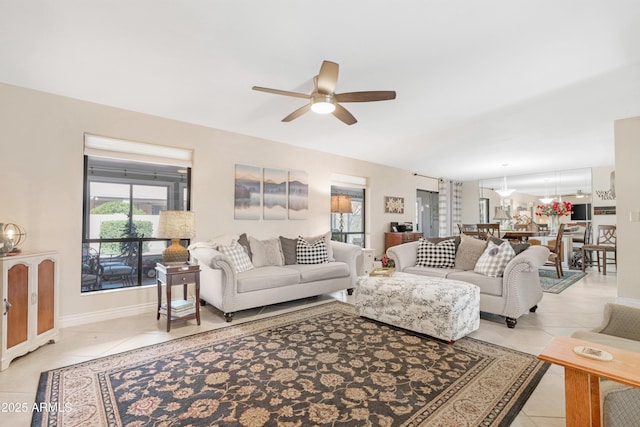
x: 522, y: 235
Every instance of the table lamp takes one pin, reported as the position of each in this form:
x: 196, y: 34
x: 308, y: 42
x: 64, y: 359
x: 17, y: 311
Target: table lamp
x: 502, y: 215
x: 341, y: 204
x: 176, y: 225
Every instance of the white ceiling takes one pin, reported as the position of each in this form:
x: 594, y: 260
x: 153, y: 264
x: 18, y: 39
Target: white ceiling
x: 536, y: 85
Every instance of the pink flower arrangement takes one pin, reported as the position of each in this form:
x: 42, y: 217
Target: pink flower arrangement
x: 555, y: 208
x: 387, y: 262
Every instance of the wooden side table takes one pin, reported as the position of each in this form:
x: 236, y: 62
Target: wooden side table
x: 582, y: 377
x: 178, y: 274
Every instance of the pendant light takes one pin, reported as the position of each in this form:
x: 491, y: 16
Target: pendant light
x: 546, y: 199
x: 505, y: 191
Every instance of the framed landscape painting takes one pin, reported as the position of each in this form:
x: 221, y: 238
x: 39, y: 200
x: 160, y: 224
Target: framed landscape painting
x: 298, y: 195
x: 247, y: 192
x: 274, y: 194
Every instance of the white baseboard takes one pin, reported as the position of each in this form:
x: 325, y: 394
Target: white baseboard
x: 628, y: 301
x: 113, y: 313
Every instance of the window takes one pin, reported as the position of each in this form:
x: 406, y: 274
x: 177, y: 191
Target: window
x: 122, y: 203
x: 349, y: 227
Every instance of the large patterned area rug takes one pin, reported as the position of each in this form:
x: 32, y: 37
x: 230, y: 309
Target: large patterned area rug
x: 551, y: 284
x: 323, y: 365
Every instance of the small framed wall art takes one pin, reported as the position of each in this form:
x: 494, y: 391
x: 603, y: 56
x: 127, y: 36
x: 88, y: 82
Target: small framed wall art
x: 393, y: 204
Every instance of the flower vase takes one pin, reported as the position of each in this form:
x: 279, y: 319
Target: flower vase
x: 555, y: 223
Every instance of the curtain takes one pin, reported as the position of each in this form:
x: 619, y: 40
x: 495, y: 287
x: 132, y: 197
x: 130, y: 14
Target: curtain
x: 449, y: 207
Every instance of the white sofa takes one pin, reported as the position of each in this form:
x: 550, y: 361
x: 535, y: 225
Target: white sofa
x: 230, y: 292
x: 517, y: 292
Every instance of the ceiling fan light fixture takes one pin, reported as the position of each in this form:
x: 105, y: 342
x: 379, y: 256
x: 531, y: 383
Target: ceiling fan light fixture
x: 546, y: 200
x: 579, y: 194
x: 322, y: 104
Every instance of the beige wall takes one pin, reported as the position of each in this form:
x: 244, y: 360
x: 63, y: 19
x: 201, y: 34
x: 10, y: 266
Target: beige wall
x: 627, y: 135
x: 41, y: 184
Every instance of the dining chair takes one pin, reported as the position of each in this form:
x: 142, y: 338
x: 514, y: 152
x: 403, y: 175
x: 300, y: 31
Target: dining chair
x: 605, y: 242
x: 92, y: 271
x: 555, y: 255
x: 468, y: 229
x: 486, y: 230
x: 122, y: 266
x: 522, y: 227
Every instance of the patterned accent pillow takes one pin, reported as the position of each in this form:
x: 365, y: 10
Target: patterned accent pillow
x: 494, y: 259
x: 311, y: 253
x: 327, y: 242
x: 266, y: 252
x: 437, y: 255
x: 238, y: 256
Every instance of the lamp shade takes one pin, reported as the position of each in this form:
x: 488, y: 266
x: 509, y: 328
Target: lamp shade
x: 341, y: 203
x: 177, y: 225
x: 501, y: 215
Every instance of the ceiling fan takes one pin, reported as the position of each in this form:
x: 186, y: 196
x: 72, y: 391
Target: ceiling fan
x: 324, y: 100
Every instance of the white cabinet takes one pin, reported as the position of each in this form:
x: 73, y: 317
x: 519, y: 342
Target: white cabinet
x: 29, y: 298
x: 367, y: 261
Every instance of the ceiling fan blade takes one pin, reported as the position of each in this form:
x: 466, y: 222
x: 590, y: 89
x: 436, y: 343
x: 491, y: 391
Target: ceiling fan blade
x: 373, y: 95
x: 341, y: 113
x: 327, y: 77
x: 300, y: 111
x: 281, y: 92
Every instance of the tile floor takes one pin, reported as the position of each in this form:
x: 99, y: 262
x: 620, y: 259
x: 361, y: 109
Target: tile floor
x: 579, y: 307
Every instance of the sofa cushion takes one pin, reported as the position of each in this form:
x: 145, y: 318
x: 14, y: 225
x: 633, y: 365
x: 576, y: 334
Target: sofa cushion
x: 438, y: 255
x: 289, y: 250
x: 488, y: 285
x: 266, y: 252
x: 266, y: 278
x: 239, y: 259
x: 311, y: 253
x: 315, y: 272
x: 430, y: 271
x: 469, y: 252
x: 494, y: 259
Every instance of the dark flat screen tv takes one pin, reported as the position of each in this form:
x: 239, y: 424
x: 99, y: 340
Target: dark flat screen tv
x: 581, y: 212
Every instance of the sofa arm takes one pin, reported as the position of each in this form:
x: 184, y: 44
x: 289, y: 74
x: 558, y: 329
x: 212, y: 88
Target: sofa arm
x: 213, y: 259
x: 521, y: 281
x: 531, y: 259
x: 404, y: 255
x: 349, y: 254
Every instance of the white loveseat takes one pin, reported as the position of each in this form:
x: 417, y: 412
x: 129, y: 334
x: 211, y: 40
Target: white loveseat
x: 517, y: 292
x: 230, y: 292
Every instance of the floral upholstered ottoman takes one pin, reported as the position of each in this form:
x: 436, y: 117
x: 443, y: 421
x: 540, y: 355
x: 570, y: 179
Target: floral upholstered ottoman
x: 442, y: 308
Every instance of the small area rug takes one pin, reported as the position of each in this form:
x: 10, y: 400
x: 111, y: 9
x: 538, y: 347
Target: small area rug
x: 551, y: 284
x: 322, y: 365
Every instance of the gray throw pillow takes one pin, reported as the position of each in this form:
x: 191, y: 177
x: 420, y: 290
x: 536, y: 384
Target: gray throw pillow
x: 469, y: 252
x: 244, y: 242
x: 289, y: 250
x: 517, y: 247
